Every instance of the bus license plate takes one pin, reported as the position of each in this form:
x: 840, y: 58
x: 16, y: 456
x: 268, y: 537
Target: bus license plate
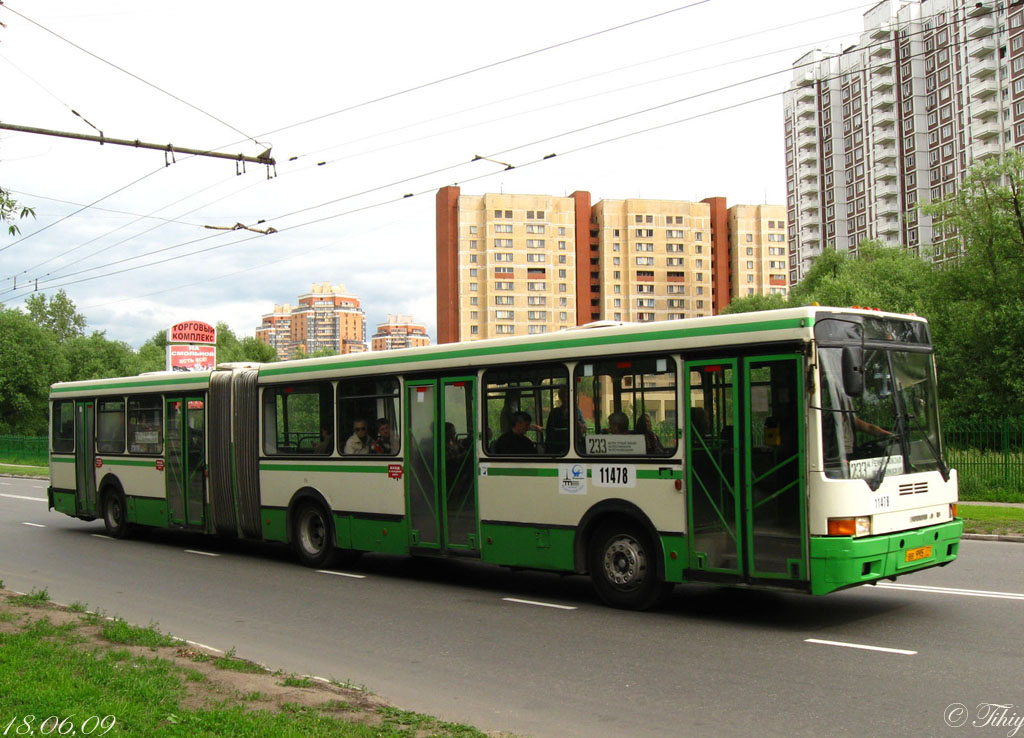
x: 916, y: 554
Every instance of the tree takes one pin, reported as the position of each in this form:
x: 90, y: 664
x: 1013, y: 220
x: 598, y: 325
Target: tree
x: 152, y: 354
x: 29, y: 362
x: 755, y: 303
x: 97, y: 357
x: 978, y: 313
x: 9, y: 212
x: 58, y: 316
x: 884, y: 277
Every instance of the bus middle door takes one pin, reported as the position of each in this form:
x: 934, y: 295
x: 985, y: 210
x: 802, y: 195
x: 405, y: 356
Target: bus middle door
x: 185, y: 455
x: 85, y: 458
x: 441, y: 492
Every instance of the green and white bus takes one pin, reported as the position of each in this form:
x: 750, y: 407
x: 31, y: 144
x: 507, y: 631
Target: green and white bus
x: 796, y: 449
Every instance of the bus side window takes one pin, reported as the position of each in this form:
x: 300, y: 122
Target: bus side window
x: 371, y: 403
x: 542, y: 393
x: 110, y: 432
x: 63, y: 427
x: 145, y: 425
x: 294, y: 417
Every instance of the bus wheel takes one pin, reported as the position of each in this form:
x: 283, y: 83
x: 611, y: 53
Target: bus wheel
x: 623, y: 569
x: 312, y: 536
x: 115, y: 518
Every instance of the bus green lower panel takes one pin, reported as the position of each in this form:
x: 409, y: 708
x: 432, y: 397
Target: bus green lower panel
x: 520, y: 545
x: 379, y: 536
x: 838, y: 562
x: 676, y: 557
x: 64, y: 502
x: 275, y: 524
x: 147, y: 511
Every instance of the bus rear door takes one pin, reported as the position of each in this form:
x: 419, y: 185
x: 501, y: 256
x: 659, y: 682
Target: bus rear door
x: 186, y: 461
x: 85, y: 457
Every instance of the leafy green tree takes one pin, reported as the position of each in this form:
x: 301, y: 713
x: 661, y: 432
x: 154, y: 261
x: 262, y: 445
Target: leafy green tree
x: 30, y: 361
x: 10, y: 211
x: 58, y: 315
x: 978, y: 314
x: 884, y: 277
x: 97, y: 357
x: 152, y: 354
x: 755, y: 303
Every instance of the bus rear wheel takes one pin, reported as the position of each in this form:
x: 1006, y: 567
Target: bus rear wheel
x: 623, y: 569
x: 313, y: 535
x: 115, y: 518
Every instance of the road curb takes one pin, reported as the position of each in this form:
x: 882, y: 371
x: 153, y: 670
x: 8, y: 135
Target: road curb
x: 991, y: 537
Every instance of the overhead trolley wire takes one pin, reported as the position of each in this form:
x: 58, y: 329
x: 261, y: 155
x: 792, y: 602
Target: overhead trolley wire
x: 489, y: 174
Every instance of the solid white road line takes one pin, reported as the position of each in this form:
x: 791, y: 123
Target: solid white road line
x: 538, y: 604
x: 341, y: 574
x: 200, y: 553
x: 860, y: 646
x: 34, y: 525
x: 954, y: 591
x: 23, y: 497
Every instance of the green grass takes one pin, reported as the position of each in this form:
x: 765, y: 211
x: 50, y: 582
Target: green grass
x: 49, y: 669
x: 990, y: 520
x: 118, y: 631
x: 294, y: 681
x: 24, y: 471
x: 32, y: 599
x: 230, y: 662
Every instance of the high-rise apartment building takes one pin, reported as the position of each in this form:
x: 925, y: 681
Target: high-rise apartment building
x: 326, y: 318
x: 398, y: 332
x: 896, y: 120
x: 512, y: 264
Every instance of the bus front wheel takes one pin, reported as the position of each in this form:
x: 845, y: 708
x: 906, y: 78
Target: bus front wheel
x: 115, y: 518
x: 623, y: 569
x: 312, y: 537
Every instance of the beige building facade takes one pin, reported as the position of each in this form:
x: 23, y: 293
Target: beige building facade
x: 327, y: 318
x: 399, y: 332
x: 511, y: 264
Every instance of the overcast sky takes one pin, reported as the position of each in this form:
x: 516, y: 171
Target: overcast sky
x: 307, y: 79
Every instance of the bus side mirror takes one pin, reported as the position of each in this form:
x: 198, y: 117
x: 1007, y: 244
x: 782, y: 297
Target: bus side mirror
x: 853, y: 371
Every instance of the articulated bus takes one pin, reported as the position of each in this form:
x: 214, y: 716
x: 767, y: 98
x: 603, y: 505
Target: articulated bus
x: 797, y: 449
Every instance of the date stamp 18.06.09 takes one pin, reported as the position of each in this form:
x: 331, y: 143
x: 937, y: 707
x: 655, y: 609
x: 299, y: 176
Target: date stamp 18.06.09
x: 31, y: 725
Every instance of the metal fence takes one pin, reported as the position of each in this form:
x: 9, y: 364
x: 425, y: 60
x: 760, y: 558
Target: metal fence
x: 24, y: 450
x: 988, y: 453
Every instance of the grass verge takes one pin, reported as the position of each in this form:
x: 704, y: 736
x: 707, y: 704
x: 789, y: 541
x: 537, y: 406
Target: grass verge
x: 992, y: 520
x: 24, y: 471
x: 62, y: 670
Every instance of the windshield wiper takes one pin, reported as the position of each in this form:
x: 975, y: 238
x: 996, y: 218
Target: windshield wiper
x: 943, y: 469
x: 876, y: 481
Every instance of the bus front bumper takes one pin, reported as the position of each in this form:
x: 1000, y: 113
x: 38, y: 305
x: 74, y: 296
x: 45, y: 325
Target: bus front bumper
x: 838, y: 562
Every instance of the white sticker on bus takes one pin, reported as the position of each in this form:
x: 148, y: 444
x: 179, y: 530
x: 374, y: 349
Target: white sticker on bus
x: 616, y: 444
x: 868, y: 468
x: 614, y: 475
x: 572, y: 479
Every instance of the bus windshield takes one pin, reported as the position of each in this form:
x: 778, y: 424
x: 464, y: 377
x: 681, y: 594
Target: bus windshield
x: 892, y: 427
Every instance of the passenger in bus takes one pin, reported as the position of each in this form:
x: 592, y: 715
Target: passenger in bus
x: 645, y: 426
x: 618, y: 423
x: 515, y: 442
x: 359, y: 442
x: 382, y: 444
x: 699, y: 420
x: 556, y: 436
x: 326, y: 443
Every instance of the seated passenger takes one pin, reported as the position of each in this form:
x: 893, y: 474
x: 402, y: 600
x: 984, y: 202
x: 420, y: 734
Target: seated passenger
x: 645, y: 425
x: 359, y: 441
x: 326, y: 443
x: 515, y: 442
x: 383, y: 443
x: 618, y: 423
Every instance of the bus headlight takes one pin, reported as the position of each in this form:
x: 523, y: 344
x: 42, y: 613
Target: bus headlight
x: 849, y: 526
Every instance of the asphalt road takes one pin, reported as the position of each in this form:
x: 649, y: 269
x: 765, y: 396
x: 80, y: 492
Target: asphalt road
x: 536, y: 654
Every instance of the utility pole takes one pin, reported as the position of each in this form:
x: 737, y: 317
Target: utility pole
x: 171, y: 149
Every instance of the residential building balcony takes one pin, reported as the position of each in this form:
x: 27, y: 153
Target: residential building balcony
x: 886, y: 190
x: 881, y: 82
x: 883, y: 101
x: 889, y: 227
x: 885, y: 153
x: 981, y: 25
x: 987, y: 129
x: 882, y: 49
x: 885, y: 136
x: 883, y: 117
x: 807, y: 125
x: 888, y: 208
x: 981, y: 48
x: 986, y: 149
x: 806, y: 95
x: 980, y: 70
x: 882, y: 32
x: 886, y: 171
x: 808, y: 157
x: 985, y: 88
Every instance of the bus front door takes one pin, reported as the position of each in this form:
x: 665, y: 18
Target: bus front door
x: 440, y: 443
x: 774, y: 505
x: 185, y: 461
x: 745, y: 461
x: 85, y: 458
